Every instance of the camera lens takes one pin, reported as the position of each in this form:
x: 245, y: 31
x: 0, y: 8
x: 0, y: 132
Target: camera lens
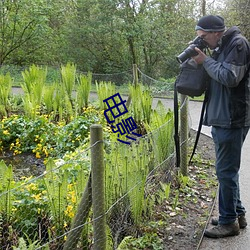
x: 190, y: 51
x: 187, y: 53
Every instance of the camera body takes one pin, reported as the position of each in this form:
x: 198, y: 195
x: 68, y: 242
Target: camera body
x: 190, y: 51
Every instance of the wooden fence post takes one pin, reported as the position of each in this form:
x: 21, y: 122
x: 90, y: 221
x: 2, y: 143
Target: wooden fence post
x: 135, y: 74
x: 135, y: 82
x: 98, y: 195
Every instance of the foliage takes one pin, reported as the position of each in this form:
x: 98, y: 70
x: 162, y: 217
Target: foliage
x: 236, y: 13
x: 5, y: 90
x: 83, y: 91
x: 46, y: 205
x: 23, y: 23
x: 43, y: 137
x: 104, y: 91
x: 141, y: 103
x: 30, y: 204
x: 48, y: 98
x: 147, y: 241
x: 161, y: 131
x: 68, y: 74
x: 6, y: 184
x: 34, y: 81
x: 106, y: 36
x: 22, y: 245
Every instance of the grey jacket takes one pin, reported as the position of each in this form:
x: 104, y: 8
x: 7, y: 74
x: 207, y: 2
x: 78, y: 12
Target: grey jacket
x: 228, y: 103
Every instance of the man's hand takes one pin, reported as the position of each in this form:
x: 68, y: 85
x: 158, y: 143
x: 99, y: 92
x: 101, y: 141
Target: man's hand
x: 200, y: 58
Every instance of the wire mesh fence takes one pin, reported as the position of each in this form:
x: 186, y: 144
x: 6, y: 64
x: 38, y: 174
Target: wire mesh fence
x: 56, y: 209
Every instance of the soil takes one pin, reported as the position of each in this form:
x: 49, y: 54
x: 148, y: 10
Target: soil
x: 25, y: 164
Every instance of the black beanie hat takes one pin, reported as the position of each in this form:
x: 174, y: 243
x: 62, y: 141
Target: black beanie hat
x: 211, y: 23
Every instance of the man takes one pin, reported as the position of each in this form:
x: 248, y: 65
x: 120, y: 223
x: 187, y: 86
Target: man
x: 228, y: 112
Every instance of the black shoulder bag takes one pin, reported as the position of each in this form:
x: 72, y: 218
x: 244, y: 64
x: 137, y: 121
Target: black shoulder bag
x: 191, y: 81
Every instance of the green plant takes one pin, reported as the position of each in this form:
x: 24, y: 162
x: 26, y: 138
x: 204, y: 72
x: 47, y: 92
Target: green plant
x: 68, y: 74
x: 28, y: 244
x: 184, y: 181
x: 164, y: 191
x: 34, y: 81
x: 43, y: 137
x: 56, y: 187
x: 83, y: 91
x: 5, y: 90
x: 126, y: 172
x: 160, y: 131
x: 141, y: 103
x: 176, y: 199
x: 6, y: 184
x: 104, y: 91
x: 147, y: 241
x: 48, y: 98
x: 30, y: 208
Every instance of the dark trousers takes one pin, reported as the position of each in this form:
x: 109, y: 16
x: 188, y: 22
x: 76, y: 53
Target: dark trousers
x: 228, y: 145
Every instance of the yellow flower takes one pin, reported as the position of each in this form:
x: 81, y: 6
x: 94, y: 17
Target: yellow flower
x: 14, y: 209
x: 45, y: 151
x: 17, y: 152
x: 31, y: 187
x: 6, y: 132
x: 37, y: 196
x: 38, y: 156
x: 73, y: 199
x: 69, y: 211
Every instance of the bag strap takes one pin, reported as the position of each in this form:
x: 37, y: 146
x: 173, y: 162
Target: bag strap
x: 176, y: 126
x: 199, y: 127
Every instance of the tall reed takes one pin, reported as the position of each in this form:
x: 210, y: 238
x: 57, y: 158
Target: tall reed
x: 83, y: 90
x: 126, y: 172
x: 6, y: 184
x: 62, y: 106
x: 33, y: 86
x: 141, y: 103
x: 48, y: 97
x: 160, y: 131
x: 68, y: 74
x: 56, y: 184
x: 104, y: 90
x: 5, y: 90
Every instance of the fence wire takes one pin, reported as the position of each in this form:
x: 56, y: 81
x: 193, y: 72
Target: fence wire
x: 41, y: 211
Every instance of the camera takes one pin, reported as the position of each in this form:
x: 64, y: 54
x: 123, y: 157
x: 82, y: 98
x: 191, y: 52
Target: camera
x: 190, y: 51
